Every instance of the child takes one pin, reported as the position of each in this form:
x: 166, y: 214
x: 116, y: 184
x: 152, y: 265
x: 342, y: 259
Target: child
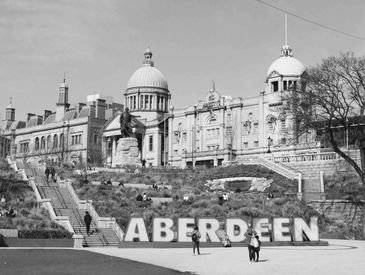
x: 256, y: 249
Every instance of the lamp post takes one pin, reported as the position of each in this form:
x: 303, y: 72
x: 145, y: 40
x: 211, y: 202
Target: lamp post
x: 269, y: 143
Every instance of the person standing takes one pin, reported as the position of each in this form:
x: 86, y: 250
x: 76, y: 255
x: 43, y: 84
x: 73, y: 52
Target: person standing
x: 249, y: 234
x: 47, y: 172
x: 195, y: 237
x: 87, y: 220
x: 53, y: 173
x: 256, y: 244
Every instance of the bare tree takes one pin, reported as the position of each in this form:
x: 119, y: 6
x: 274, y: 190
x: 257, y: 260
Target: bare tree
x: 331, y: 102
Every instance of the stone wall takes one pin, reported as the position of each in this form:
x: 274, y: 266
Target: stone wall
x: 347, y: 216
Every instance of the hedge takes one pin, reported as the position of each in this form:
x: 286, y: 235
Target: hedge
x: 44, y: 234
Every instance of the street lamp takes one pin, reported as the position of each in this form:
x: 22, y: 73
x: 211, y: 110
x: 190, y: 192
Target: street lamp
x: 269, y: 143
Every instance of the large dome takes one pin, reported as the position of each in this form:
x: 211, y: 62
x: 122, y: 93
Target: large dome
x: 147, y: 75
x: 286, y: 64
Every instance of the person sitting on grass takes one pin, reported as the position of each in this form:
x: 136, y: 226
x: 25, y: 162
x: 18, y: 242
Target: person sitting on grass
x: 139, y: 197
x: 10, y: 213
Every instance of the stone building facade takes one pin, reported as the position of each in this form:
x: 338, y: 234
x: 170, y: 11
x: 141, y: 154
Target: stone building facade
x: 221, y: 128
x: 68, y: 135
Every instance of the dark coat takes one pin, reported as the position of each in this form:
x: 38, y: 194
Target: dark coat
x: 87, y: 219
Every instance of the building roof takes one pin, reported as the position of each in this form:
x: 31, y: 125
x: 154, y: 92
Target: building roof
x: 286, y: 64
x: 147, y: 75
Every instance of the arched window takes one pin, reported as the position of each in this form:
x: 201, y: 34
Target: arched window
x: 55, y: 141
x: 36, y: 144
x: 43, y: 143
x: 271, y: 123
x: 49, y: 142
x: 62, y: 140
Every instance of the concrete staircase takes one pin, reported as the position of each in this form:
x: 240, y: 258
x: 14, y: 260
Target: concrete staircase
x: 310, y: 177
x: 64, y: 205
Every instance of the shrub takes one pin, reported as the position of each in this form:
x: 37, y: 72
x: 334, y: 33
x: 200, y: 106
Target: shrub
x: 44, y: 234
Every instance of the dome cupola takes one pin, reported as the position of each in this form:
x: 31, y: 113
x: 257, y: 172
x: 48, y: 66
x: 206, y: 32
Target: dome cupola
x: 286, y: 64
x: 147, y: 88
x: 147, y: 75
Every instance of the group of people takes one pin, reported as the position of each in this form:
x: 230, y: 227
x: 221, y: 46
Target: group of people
x: 253, y: 243
x: 161, y: 186
x: 10, y: 213
x: 143, y: 197
x: 50, y: 171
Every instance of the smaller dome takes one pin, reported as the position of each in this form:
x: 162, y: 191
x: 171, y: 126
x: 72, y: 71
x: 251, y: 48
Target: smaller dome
x: 286, y: 64
x: 63, y: 85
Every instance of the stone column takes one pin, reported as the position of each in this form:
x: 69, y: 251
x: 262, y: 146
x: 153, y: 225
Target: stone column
x: 114, y: 147
x: 262, y: 125
x: 323, y: 197
x: 300, y: 192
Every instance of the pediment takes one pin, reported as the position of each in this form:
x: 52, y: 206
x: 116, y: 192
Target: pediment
x: 273, y: 74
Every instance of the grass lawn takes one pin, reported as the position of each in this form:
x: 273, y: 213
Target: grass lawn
x: 64, y: 261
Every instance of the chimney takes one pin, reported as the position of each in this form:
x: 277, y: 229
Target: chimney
x: 29, y: 116
x: 39, y: 120
x: 79, y: 106
x: 46, y: 114
x: 92, y: 110
x: 100, y: 108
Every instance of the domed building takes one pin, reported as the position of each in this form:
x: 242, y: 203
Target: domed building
x: 284, y: 72
x: 147, y: 97
x: 147, y: 94
x: 222, y: 129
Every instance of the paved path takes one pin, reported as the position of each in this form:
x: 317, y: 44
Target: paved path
x: 340, y: 257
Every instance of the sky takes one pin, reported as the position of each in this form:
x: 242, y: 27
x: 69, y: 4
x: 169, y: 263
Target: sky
x: 100, y: 43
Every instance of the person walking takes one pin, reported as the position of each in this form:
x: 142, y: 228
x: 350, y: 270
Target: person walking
x: 256, y: 244
x: 47, y: 172
x: 53, y: 173
x: 87, y: 220
x: 195, y: 237
x: 249, y: 234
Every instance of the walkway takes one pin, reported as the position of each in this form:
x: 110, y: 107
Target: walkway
x: 64, y: 205
x: 340, y: 257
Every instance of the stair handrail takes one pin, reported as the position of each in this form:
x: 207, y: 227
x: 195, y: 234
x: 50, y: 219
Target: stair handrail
x: 283, y: 170
x: 102, y: 222
x: 46, y: 203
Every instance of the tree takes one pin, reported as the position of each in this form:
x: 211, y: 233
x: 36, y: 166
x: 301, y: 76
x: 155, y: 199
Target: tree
x: 331, y: 102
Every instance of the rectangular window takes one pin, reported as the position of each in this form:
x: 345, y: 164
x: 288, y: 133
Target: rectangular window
x: 256, y: 143
x: 245, y: 145
x: 150, y: 143
x: 245, y: 130
x: 275, y: 86
x: 146, y: 101
x: 285, y: 83
x: 283, y: 125
x: 256, y: 128
x: 184, y: 138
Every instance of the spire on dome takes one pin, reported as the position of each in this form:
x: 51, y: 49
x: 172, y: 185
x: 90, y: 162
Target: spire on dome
x: 213, y: 86
x: 286, y: 50
x: 10, y: 103
x: 148, y: 57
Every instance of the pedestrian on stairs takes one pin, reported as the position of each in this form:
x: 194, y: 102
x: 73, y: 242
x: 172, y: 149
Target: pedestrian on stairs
x: 87, y: 220
x: 53, y: 173
x: 47, y: 172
